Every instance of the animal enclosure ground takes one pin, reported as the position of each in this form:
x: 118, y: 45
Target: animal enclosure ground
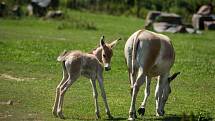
x: 29, y: 72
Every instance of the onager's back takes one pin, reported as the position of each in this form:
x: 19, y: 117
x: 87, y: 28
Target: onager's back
x: 90, y: 65
x: 147, y: 55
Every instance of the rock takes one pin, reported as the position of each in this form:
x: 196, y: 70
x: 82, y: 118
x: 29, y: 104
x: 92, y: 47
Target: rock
x: 205, y: 10
x: 167, y: 27
x: 170, y: 18
x: 54, y: 14
x: 3, y: 9
x: 166, y: 22
x: 17, y: 11
x: 150, y: 18
x: 209, y: 25
x: 198, y: 21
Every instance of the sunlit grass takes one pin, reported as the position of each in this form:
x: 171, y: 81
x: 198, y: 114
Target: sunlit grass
x: 29, y: 48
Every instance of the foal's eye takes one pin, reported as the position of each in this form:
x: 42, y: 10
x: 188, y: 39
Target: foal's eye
x: 104, y: 55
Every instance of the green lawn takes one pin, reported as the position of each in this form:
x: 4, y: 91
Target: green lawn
x: 29, y: 72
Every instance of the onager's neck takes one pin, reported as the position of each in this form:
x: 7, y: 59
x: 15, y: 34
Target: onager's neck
x: 98, y: 53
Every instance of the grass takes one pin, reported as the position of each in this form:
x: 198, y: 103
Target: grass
x: 29, y: 48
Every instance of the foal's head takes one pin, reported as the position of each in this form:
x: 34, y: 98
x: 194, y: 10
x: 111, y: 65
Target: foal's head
x: 107, y: 53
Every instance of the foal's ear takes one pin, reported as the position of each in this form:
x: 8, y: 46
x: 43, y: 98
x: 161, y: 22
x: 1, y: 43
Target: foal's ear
x: 114, y: 43
x: 102, y: 43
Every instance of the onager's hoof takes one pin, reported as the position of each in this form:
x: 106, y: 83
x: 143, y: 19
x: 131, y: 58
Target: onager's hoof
x: 135, y: 115
x: 110, y: 116
x: 160, y: 113
x: 141, y: 111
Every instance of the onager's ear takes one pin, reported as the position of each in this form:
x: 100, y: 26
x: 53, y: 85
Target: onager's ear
x: 102, y: 43
x: 113, y: 44
x: 173, y: 77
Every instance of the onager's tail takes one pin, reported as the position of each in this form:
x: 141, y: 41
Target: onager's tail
x: 134, y: 50
x: 61, y: 57
x: 173, y: 76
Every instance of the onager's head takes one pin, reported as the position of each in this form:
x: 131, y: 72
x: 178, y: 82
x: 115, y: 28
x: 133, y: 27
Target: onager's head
x: 107, y: 53
x: 167, y: 88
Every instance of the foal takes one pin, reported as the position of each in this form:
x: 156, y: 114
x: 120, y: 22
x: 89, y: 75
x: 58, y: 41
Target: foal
x: 77, y: 63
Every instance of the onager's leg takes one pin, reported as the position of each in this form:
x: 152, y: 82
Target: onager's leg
x: 95, y: 95
x: 132, y: 77
x: 103, y: 94
x: 141, y: 110
x: 63, y: 88
x: 65, y: 77
x: 158, y: 93
x: 138, y: 83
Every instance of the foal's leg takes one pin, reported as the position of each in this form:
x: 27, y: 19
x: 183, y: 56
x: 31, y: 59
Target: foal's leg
x: 141, y: 110
x: 138, y: 83
x: 95, y: 95
x: 63, y: 88
x: 65, y: 76
x: 158, y: 93
x: 101, y: 85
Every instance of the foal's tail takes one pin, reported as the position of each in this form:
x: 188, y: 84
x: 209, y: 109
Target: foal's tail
x: 173, y: 76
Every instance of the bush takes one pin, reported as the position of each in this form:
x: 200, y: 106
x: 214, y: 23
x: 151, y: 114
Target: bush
x: 77, y: 23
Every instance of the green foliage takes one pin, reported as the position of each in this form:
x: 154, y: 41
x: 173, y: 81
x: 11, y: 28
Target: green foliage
x: 76, y: 23
x: 139, y: 8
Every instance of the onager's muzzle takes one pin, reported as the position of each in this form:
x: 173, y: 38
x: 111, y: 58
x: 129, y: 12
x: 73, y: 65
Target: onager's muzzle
x: 107, y: 67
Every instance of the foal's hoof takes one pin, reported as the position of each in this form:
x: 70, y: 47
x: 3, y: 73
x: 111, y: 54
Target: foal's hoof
x: 141, y: 111
x: 132, y: 116
x: 98, y: 116
x: 60, y: 115
x: 54, y: 112
x: 131, y: 119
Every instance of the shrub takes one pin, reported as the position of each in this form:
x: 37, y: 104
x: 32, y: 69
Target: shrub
x: 77, y: 23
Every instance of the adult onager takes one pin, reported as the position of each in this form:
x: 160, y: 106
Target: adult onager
x: 90, y: 65
x: 147, y: 55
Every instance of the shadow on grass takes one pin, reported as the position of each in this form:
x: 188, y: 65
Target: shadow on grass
x: 184, y: 117
x: 117, y: 119
x: 93, y: 119
x: 202, y: 116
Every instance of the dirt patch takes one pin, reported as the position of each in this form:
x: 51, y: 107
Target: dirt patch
x: 9, y: 102
x: 5, y: 116
x: 9, y: 77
